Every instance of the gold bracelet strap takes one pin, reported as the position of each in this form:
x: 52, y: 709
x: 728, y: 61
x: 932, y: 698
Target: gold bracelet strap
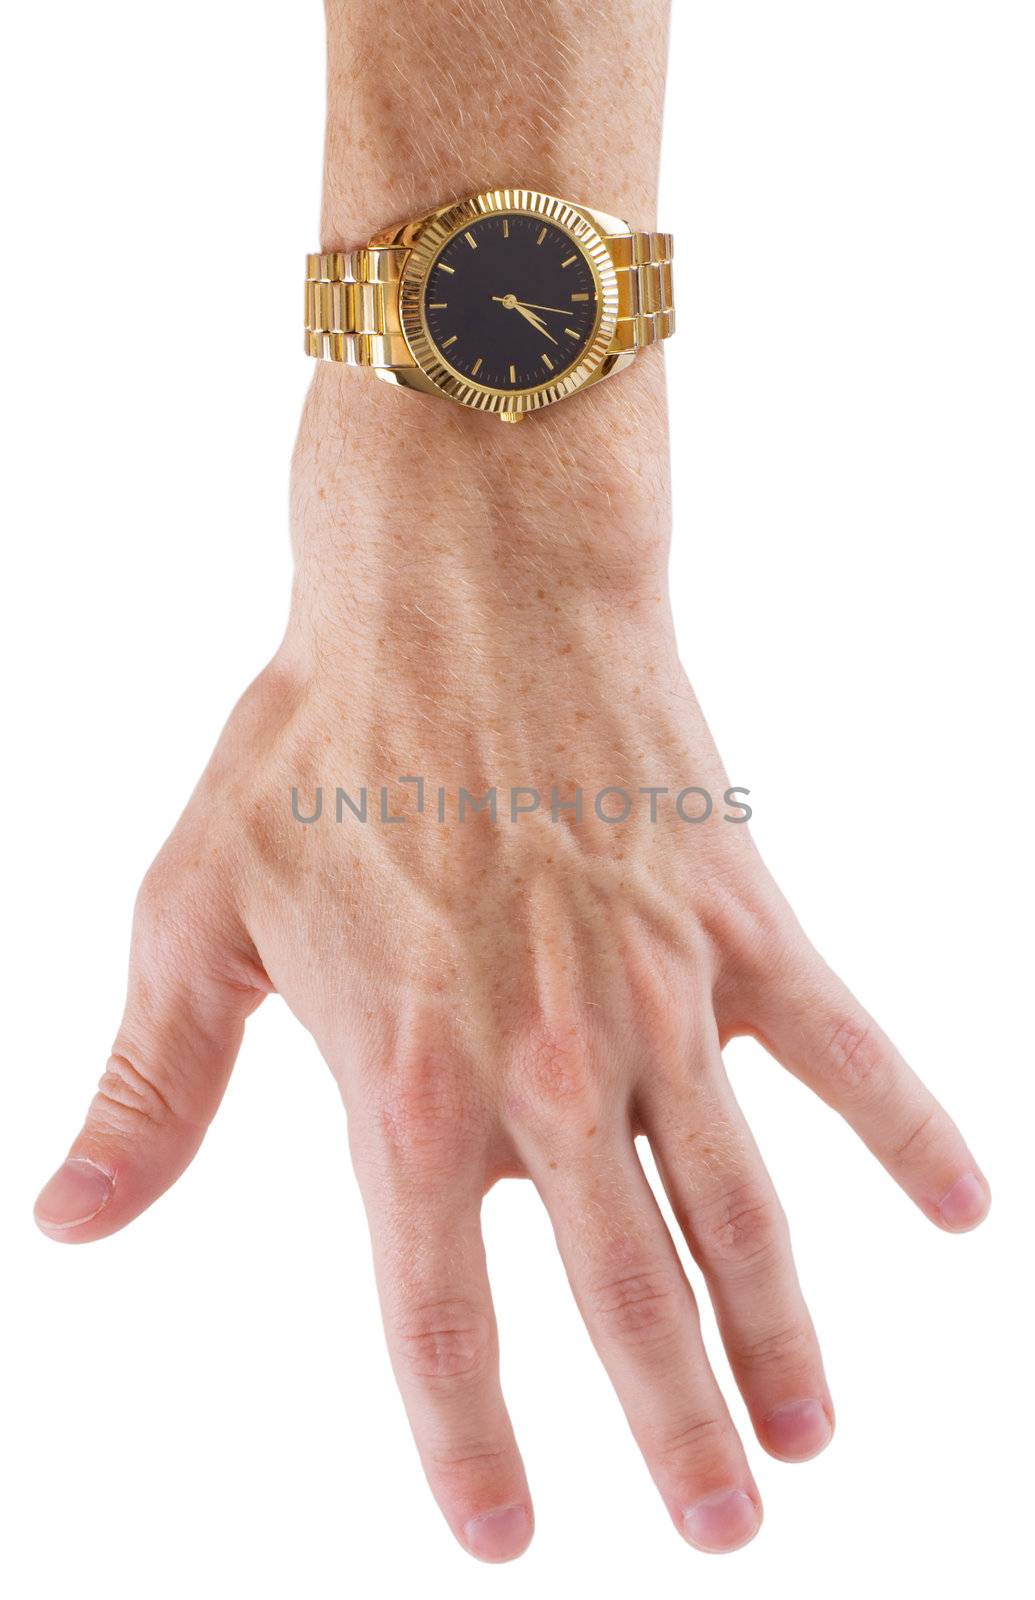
x: 349, y: 301
x: 643, y: 265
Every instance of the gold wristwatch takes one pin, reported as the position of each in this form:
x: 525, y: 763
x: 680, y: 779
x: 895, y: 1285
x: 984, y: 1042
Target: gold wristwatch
x: 507, y: 302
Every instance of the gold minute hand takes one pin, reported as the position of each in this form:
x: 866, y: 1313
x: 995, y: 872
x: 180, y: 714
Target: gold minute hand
x: 512, y: 303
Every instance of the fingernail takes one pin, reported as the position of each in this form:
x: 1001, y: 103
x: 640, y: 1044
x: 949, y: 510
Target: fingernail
x: 722, y: 1521
x: 797, y: 1430
x: 965, y: 1204
x: 76, y: 1193
x: 499, y: 1535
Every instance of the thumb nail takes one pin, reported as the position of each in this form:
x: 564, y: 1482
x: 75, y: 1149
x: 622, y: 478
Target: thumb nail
x: 76, y: 1193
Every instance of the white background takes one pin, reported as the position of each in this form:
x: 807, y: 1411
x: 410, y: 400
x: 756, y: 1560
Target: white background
x: 202, y: 1405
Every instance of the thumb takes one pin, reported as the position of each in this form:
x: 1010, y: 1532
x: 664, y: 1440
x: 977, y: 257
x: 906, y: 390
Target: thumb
x: 189, y: 995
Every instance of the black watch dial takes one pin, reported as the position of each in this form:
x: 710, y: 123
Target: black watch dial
x: 510, y: 302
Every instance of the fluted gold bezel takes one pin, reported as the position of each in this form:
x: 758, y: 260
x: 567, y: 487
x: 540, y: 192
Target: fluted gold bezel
x: 451, y: 220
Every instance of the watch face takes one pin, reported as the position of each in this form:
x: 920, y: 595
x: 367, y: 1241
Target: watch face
x: 510, y: 302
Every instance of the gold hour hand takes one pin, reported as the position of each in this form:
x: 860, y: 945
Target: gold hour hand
x: 537, y: 322
x: 511, y: 303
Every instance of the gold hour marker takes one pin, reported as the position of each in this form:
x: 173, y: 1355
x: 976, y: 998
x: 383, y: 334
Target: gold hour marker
x: 542, y: 236
x: 447, y: 342
x: 506, y: 228
x: 569, y: 261
x: 547, y: 362
x: 437, y: 305
x: 472, y: 241
x: 474, y: 369
x: 444, y: 268
x: 580, y: 296
x: 571, y: 333
x: 513, y: 374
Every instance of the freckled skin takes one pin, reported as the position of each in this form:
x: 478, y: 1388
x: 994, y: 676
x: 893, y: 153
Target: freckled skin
x: 488, y: 606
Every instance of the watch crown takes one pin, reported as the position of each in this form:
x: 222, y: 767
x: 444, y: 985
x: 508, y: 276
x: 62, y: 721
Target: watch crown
x: 511, y: 416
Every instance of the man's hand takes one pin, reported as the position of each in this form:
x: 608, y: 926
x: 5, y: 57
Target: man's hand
x: 519, y: 996
x: 486, y: 607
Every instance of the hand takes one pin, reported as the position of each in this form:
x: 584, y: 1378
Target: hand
x: 513, y: 304
x: 506, y: 998
x: 537, y: 322
x: 529, y: 305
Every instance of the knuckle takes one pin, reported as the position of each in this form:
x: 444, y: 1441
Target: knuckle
x: 745, y: 1227
x: 786, y: 1348
x: 126, y: 1094
x: 183, y: 902
x: 920, y: 1134
x: 640, y: 1307
x: 444, y: 1341
x: 854, y: 1052
x: 695, y: 1439
x: 424, y: 1116
x: 750, y: 923
x: 158, y: 913
x: 557, y: 1082
x: 656, y: 973
x: 459, y: 1459
x: 150, y: 895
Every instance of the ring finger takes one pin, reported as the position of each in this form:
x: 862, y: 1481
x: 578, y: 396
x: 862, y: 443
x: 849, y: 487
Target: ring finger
x: 727, y: 1208
x: 641, y: 1316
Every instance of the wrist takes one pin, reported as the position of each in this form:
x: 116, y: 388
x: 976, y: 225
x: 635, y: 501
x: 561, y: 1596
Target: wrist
x: 577, y: 506
x: 391, y: 491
